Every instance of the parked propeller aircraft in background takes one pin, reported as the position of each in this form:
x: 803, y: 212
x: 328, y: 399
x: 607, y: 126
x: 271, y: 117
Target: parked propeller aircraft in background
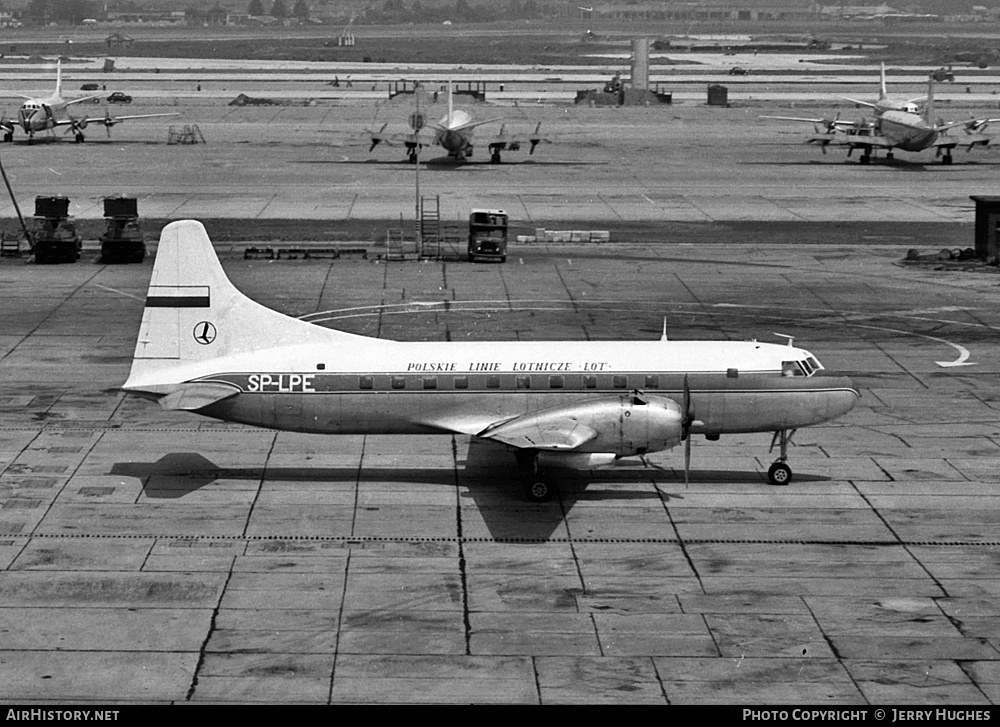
x: 454, y: 132
x: 897, y: 124
x: 51, y: 112
x: 204, y: 347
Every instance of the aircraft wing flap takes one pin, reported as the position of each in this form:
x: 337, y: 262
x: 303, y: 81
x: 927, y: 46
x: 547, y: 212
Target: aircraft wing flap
x: 545, y: 433
x: 850, y: 140
x: 950, y: 142
x: 191, y: 397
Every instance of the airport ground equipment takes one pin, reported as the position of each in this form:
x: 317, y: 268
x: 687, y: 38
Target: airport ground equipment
x: 488, y: 235
x: 122, y: 239
x: 187, y: 134
x: 55, y: 239
x: 439, y: 240
x: 10, y: 245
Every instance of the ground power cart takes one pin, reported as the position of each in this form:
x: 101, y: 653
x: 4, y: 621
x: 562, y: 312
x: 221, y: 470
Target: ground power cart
x: 55, y: 239
x: 122, y: 240
x: 488, y: 235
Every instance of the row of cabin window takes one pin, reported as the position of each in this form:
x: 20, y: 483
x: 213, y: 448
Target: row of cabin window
x: 588, y: 381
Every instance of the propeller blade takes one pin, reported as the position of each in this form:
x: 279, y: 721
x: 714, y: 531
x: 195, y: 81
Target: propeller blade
x: 687, y: 461
x: 686, y: 430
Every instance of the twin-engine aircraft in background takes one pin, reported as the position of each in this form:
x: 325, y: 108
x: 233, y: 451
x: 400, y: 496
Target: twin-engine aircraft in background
x: 897, y: 124
x: 52, y: 112
x: 454, y: 132
x: 204, y: 347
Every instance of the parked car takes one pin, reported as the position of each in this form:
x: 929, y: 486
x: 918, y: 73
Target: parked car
x: 119, y: 97
x: 737, y: 71
x: 89, y: 87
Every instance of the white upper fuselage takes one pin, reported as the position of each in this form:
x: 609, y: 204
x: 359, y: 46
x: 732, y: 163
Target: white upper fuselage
x: 907, y: 131
x: 455, y: 358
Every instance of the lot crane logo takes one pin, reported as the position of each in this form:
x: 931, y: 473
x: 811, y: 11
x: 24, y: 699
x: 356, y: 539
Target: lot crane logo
x: 204, y: 333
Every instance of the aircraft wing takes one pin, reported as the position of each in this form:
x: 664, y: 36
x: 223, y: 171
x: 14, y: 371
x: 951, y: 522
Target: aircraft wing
x: 81, y: 100
x: 851, y: 141
x: 410, y: 141
x: 950, y: 142
x: 532, y: 431
x: 830, y: 124
x: 972, y: 126
x: 107, y: 120
x: 513, y: 142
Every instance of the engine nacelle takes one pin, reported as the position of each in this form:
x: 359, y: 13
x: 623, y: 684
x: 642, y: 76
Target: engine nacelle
x: 81, y: 124
x: 650, y: 425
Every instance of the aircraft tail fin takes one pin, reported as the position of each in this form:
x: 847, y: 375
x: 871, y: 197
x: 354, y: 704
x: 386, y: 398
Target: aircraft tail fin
x: 451, y: 106
x: 194, y: 313
x: 929, y: 103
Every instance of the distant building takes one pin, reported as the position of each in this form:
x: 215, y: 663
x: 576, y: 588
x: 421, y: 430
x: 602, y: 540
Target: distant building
x: 717, y: 10
x: 858, y: 11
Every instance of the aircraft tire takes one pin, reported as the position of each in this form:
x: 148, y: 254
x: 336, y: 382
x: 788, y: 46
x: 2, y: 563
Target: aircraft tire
x: 539, y: 488
x: 779, y: 474
x: 947, y: 159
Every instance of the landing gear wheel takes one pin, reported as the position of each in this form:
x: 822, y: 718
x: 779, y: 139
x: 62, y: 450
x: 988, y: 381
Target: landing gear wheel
x: 538, y: 488
x: 866, y: 159
x: 79, y: 138
x: 780, y: 474
x: 495, y: 158
x: 947, y: 159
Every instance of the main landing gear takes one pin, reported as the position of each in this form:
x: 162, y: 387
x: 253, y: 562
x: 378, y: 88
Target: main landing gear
x: 779, y: 473
x: 538, y: 484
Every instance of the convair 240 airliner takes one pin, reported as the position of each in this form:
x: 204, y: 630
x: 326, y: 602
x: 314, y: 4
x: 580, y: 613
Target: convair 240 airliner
x: 204, y: 347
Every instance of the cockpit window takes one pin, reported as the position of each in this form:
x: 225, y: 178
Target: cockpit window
x: 805, y: 367
x: 791, y: 368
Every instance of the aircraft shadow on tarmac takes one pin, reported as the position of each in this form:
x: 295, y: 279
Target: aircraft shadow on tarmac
x: 450, y: 164
x: 99, y: 141
x: 488, y: 473
x: 899, y: 165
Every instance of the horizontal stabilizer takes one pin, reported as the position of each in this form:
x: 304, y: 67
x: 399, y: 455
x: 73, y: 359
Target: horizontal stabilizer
x: 191, y: 397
